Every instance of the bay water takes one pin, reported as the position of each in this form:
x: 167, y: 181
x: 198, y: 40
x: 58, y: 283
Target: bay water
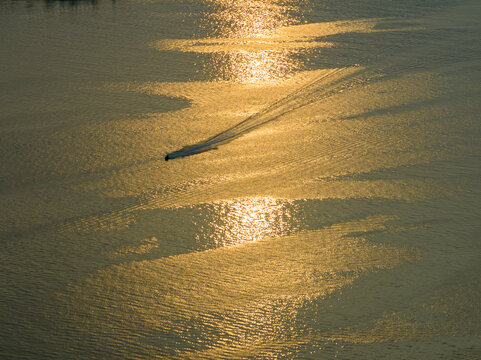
x: 330, y: 206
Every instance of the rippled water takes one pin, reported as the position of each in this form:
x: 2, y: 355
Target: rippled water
x: 334, y: 212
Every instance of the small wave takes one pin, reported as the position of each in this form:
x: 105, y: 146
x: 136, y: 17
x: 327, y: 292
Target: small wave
x: 330, y: 82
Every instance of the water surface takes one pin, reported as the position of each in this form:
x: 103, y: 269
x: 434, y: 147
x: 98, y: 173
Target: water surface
x: 334, y: 212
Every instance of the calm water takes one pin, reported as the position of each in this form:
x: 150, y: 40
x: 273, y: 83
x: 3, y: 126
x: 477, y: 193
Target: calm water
x: 342, y: 219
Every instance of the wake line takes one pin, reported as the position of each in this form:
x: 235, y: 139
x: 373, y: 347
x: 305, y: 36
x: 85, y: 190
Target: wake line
x: 295, y: 100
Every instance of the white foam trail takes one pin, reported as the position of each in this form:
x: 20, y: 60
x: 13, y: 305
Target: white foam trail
x: 322, y: 87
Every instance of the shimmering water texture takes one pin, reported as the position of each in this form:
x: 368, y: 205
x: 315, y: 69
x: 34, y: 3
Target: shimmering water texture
x: 312, y: 92
x: 234, y: 298
x: 280, y: 40
x: 338, y: 218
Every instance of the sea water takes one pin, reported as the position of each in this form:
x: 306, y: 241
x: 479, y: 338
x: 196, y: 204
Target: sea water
x: 332, y: 212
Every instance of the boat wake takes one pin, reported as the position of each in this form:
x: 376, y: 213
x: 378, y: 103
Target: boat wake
x: 330, y: 82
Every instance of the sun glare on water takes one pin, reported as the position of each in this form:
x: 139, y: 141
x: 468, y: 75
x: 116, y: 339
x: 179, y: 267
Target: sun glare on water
x: 247, y: 220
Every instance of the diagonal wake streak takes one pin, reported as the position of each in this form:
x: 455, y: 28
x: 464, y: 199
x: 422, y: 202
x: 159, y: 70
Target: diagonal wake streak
x: 321, y: 88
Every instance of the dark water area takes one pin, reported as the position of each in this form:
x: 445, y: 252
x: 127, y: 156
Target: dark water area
x: 333, y: 211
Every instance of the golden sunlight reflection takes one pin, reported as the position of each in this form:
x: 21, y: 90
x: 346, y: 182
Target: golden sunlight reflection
x: 248, y: 296
x: 252, y: 43
x: 251, y: 66
x: 247, y: 18
x: 245, y: 27
x: 245, y: 220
